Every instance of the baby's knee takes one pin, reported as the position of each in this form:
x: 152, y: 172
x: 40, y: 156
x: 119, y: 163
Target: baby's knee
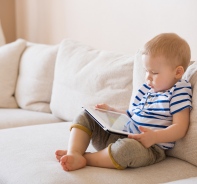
x: 131, y: 153
x: 120, y: 152
x: 84, y: 120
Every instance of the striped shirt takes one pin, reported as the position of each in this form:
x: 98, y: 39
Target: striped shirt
x: 155, y: 109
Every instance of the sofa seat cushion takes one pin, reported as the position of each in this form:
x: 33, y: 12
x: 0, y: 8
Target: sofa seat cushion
x: 18, y: 117
x: 192, y: 180
x: 86, y: 76
x: 27, y: 156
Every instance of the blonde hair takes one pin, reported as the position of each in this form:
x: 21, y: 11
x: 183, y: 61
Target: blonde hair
x: 169, y: 45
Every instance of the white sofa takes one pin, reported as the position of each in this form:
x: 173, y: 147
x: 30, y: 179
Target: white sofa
x: 43, y: 87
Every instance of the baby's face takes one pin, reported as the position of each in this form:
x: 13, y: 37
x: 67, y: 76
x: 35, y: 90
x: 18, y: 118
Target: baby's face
x: 160, y: 75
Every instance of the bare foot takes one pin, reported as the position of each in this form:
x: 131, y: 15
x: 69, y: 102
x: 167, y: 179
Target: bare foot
x: 72, y: 162
x: 60, y: 153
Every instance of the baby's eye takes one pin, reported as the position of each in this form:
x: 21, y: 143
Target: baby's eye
x: 154, y: 73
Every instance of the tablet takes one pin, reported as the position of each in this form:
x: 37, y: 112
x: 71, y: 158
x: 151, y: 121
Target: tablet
x: 112, y: 122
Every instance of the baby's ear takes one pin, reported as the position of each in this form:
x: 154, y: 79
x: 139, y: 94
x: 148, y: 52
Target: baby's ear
x: 179, y: 72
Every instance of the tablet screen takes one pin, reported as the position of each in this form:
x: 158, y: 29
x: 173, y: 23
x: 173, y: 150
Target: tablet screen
x: 113, y: 120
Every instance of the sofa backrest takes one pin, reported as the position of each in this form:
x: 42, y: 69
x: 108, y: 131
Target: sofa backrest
x: 9, y: 65
x: 85, y: 76
x: 35, y: 80
x: 26, y: 75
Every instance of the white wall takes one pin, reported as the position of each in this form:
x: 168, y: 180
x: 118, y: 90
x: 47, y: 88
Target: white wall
x: 2, y: 37
x: 118, y: 25
x: 7, y: 18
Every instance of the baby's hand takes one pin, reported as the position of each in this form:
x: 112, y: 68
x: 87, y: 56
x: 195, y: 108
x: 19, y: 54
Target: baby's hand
x: 147, y: 137
x: 103, y: 106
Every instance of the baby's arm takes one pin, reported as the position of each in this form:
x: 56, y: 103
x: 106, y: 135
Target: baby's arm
x: 173, y: 133
x: 107, y: 107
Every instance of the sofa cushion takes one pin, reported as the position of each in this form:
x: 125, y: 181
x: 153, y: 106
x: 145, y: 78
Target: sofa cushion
x: 36, y: 73
x: 86, y: 76
x: 27, y: 156
x: 10, y: 118
x: 9, y: 61
x: 192, y: 180
x: 138, y: 73
x: 186, y: 148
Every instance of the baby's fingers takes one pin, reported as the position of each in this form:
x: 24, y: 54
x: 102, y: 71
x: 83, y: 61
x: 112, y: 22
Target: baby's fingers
x: 134, y: 136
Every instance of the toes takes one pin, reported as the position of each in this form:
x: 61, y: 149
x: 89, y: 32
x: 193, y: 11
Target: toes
x: 61, y: 152
x: 64, y: 162
x: 58, y: 157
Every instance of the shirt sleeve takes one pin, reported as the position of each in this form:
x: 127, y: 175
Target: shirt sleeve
x: 181, y: 98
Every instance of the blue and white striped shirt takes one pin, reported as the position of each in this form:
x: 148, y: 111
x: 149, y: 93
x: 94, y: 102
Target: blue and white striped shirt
x: 155, y: 109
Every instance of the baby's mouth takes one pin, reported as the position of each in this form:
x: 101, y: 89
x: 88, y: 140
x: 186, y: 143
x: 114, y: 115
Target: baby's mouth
x: 150, y: 85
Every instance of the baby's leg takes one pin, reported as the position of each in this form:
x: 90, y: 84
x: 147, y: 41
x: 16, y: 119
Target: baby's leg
x: 131, y: 153
x: 78, y: 143
x: 83, y: 129
x: 99, y: 159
